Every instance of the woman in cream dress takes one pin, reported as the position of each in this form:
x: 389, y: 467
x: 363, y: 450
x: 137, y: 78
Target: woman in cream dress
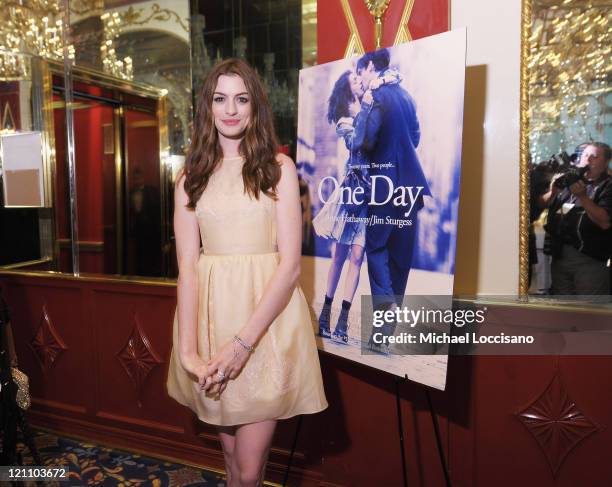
x: 244, y: 354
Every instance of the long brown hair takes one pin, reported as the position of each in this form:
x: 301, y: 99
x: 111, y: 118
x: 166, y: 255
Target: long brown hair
x: 259, y: 145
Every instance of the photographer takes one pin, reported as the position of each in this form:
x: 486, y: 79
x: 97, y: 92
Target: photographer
x: 579, y: 225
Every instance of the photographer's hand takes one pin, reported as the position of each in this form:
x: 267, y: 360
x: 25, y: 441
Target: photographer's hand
x: 596, y: 213
x: 553, y: 190
x: 578, y: 189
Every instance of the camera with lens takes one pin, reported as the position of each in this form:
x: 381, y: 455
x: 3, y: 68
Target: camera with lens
x: 571, y: 176
x: 561, y: 162
x: 564, y: 164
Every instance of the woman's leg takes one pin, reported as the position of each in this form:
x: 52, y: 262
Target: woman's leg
x: 227, y: 434
x: 251, y: 453
x: 333, y: 276
x: 354, y: 269
x: 350, y: 286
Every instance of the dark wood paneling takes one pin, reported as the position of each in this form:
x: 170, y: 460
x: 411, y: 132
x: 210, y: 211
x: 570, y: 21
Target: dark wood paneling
x: 87, y: 392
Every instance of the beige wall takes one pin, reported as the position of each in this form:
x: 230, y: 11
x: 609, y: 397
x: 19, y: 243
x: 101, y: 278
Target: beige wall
x: 487, y: 247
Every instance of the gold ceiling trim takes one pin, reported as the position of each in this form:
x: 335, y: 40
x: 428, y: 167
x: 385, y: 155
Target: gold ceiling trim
x: 403, y: 32
x: 354, y: 45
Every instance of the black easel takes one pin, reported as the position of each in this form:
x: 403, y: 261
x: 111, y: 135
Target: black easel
x: 293, y: 447
x: 400, y: 429
x: 434, y: 421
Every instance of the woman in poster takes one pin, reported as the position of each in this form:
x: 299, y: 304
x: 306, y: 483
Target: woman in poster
x: 339, y: 221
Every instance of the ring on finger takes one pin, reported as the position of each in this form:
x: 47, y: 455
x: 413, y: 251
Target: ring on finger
x: 220, y: 376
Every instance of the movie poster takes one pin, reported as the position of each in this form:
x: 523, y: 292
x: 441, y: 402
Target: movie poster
x: 379, y: 158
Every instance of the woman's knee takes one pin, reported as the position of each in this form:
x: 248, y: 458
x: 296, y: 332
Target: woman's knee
x: 340, y: 253
x: 249, y: 475
x: 357, y: 254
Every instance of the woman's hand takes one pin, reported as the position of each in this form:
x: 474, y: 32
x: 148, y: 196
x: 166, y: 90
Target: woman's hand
x: 224, y: 366
x: 367, y: 97
x: 194, y: 365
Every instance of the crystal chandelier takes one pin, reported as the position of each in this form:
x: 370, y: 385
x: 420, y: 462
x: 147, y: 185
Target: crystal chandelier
x: 29, y: 27
x: 111, y: 64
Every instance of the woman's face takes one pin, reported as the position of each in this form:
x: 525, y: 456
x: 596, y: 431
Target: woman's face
x: 231, y: 106
x: 356, y: 86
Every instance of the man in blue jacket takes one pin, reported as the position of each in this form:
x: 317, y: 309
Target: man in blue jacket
x: 387, y: 131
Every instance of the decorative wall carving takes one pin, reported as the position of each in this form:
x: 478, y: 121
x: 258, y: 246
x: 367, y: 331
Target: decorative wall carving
x: 556, y: 423
x: 138, y: 358
x: 47, y: 344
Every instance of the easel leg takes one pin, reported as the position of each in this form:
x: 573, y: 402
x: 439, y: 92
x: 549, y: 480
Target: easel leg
x: 293, y: 447
x: 400, y: 427
x: 434, y: 420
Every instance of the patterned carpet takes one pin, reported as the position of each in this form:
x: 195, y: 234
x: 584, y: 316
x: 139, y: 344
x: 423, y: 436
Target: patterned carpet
x: 92, y: 465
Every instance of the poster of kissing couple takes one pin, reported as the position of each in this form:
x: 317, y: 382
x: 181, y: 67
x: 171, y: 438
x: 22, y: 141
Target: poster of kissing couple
x: 379, y: 160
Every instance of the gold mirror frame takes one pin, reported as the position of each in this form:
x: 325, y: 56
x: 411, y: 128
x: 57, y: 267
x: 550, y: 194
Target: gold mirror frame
x: 523, y: 284
x: 524, y: 189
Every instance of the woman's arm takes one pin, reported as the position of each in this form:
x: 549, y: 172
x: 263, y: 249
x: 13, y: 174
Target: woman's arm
x: 232, y: 356
x: 188, y: 252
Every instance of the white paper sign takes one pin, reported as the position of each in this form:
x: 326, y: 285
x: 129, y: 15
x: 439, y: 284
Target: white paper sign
x: 22, y: 169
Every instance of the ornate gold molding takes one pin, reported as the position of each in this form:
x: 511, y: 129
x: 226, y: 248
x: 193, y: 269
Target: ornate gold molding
x: 354, y: 46
x: 133, y: 16
x: 130, y: 16
x: 523, y: 285
x: 403, y: 33
x: 82, y: 7
x: 377, y: 9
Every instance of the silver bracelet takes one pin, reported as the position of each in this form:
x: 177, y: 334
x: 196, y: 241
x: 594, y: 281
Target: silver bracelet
x: 240, y: 341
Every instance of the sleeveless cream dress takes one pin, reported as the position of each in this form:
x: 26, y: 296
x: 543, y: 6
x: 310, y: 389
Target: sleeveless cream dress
x: 282, y: 378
